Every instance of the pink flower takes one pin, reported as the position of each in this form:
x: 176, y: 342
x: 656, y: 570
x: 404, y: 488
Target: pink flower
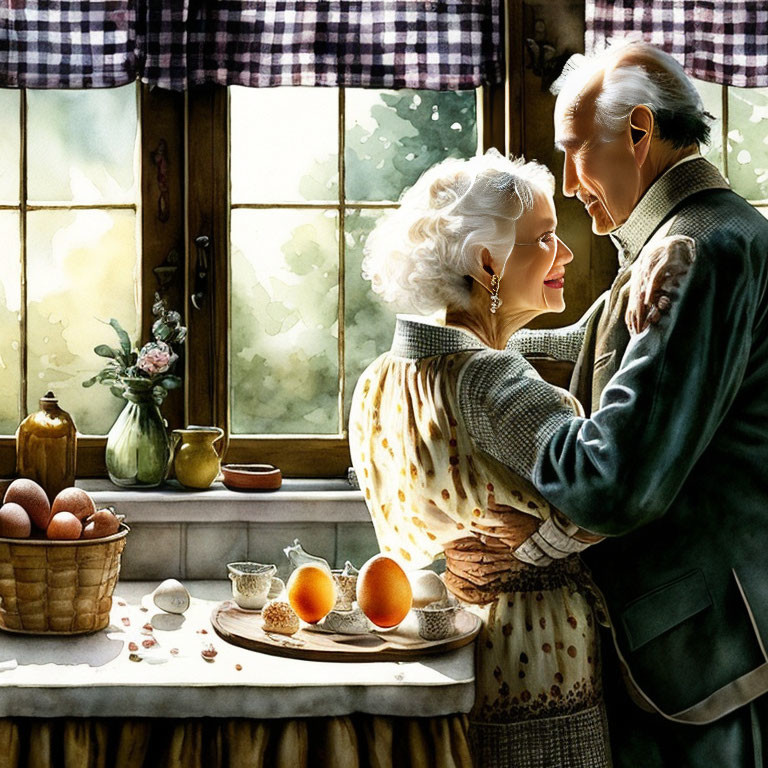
x: 156, y: 357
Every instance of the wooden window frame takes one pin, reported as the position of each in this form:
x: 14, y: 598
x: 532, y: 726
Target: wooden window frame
x: 208, y: 215
x: 191, y: 132
x: 156, y: 239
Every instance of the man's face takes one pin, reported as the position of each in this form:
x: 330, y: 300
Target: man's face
x: 602, y: 174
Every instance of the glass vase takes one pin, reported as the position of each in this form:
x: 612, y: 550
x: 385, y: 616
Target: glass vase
x: 138, y: 445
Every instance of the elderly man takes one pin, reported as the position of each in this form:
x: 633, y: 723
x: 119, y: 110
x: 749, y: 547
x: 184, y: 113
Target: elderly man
x: 671, y: 468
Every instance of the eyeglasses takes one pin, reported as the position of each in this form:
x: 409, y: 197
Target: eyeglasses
x: 554, y: 240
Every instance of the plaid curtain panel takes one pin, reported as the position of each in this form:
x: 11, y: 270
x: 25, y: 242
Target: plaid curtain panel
x: 723, y: 41
x: 448, y: 44
x: 67, y: 43
x: 175, y: 44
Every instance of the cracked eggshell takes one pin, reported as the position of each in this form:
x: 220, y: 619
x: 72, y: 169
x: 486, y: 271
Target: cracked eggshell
x: 171, y: 596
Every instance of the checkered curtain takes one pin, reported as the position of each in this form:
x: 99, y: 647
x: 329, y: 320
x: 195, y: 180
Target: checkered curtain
x: 67, y: 43
x: 175, y: 44
x: 722, y: 42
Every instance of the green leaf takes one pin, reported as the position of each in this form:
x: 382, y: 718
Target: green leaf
x: 117, y: 391
x: 104, y: 350
x: 125, y: 341
x: 90, y: 382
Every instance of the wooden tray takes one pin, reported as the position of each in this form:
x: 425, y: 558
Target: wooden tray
x: 244, y: 628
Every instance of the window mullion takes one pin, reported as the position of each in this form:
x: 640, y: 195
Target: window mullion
x: 23, y: 315
x: 342, y: 254
x: 161, y: 214
x: 207, y: 185
x: 724, y: 129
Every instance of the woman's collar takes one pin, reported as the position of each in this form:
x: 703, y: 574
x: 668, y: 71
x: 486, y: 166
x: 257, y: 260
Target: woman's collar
x: 419, y: 336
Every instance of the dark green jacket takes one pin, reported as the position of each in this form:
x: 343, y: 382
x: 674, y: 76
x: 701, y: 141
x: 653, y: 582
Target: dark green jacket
x: 673, y: 466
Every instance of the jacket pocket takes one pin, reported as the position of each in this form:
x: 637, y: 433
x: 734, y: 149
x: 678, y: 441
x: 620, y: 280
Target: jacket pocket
x: 662, y: 609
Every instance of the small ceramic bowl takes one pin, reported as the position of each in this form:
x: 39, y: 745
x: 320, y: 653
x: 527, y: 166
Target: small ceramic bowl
x: 351, y: 622
x: 437, y: 620
x: 251, y: 477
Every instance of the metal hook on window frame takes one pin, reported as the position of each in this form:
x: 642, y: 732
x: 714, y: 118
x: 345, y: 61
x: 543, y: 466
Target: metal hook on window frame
x: 203, y: 245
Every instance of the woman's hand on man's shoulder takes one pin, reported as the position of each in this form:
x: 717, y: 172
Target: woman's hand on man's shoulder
x: 656, y: 276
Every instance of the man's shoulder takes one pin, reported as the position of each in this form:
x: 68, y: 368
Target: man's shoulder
x: 729, y: 234
x: 718, y: 214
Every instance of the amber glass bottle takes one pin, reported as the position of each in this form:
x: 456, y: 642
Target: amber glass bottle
x: 46, y: 447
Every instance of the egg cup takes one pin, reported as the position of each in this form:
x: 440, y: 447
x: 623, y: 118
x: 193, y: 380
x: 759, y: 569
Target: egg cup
x: 437, y: 621
x: 346, y: 588
x: 346, y: 622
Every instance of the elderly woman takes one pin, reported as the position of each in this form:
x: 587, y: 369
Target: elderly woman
x: 473, y: 249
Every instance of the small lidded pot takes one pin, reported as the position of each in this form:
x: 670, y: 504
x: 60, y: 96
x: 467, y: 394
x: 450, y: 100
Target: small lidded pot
x: 437, y: 621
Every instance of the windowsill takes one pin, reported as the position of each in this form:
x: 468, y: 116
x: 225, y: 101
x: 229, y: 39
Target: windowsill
x: 298, y: 500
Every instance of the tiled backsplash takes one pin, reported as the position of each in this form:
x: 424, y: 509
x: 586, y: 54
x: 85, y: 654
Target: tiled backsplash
x: 194, y: 534
x: 202, y: 550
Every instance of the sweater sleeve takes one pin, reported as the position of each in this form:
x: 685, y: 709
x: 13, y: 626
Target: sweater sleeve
x: 509, y: 411
x: 623, y: 467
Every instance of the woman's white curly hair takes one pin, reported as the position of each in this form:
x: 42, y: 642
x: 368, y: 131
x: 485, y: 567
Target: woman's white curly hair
x: 418, y: 256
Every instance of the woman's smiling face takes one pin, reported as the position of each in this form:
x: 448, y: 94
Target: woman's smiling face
x: 534, y: 275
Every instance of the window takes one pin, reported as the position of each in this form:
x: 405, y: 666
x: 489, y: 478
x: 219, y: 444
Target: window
x: 311, y: 170
x: 92, y: 214
x: 303, y: 322
x: 69, y: 202
x: 741, y: 125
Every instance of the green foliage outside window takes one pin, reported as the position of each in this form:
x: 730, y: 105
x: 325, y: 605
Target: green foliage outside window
x: 284, y: 359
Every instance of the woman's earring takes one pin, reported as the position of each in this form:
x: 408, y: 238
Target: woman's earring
x: 495, y: 300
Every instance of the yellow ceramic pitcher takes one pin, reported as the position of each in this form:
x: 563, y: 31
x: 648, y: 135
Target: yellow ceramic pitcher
x: 196, y: 462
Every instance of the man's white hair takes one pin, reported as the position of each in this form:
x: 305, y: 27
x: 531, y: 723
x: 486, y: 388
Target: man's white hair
x: 419, y: 255
x: 635, y: 73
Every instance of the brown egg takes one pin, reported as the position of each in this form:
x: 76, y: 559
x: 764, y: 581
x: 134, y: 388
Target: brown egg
x: 311, y: 592
x: 14, y: 521
x: 29, y: 495
x: 101, y: 523
x: 74, y: 500
x: 383, y: 591
x: 64, y: 525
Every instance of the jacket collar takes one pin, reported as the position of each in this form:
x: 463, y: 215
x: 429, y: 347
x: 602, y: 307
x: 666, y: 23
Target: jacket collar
x: 418, y: 337
x: 682, y: 180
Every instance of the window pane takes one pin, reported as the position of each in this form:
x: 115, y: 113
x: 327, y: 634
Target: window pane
x: 284, y: 335
x: 712, y: 97
x: 81, y: 145
x: 82, y: 268
x: 748, y: 142
x: 369, y: 322
x: 392, y: 137
x: 10, y: 302
x: 284, y: 144
x: 9, y: 146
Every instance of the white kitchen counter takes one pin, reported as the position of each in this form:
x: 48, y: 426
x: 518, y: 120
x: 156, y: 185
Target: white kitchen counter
x: 93, y: 676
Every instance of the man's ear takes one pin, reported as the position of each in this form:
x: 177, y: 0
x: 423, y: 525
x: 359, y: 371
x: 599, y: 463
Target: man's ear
x: 641, y: 126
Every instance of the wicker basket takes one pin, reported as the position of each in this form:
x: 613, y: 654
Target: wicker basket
x: 58, y: 587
